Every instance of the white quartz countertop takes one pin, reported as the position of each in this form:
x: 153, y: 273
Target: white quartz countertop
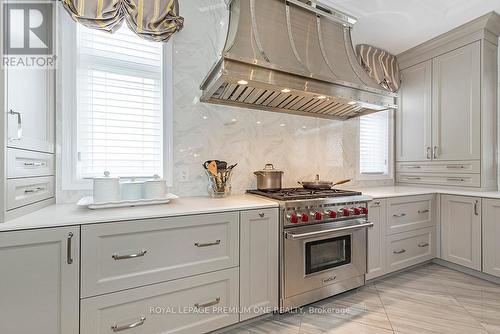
x: 397, y: 191
x: 70, y: 214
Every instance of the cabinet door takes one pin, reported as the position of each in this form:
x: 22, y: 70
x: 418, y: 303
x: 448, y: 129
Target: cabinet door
x: 258, y: 262
x: 491, y: 237
x: 461, y: 230
x: 457, y: 104
x: 376, y: 239
x: 30, y: 109
x: 39, y: 282
x: 413, y: 118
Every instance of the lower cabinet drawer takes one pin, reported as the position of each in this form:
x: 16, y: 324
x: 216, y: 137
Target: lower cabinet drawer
x: 26, y: 191
x: 461, y: 180
x: 409, y: 213
x: 410, y: 248
x: 452, y: 167
x: 119, y: 256
x: 22, y: 163
x: 197, y: 304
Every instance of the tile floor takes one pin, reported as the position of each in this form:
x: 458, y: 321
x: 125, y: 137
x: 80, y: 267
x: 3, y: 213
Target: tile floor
x: 427, y: 299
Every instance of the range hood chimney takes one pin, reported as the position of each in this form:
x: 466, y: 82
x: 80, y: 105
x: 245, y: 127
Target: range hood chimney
x: 295, y: 57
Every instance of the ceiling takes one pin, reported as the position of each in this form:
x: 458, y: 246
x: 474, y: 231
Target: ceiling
x: 398, y: 25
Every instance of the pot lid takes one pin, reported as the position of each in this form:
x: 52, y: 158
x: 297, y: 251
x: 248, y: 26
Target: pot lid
x: 156, y: 179
x: 106, y: 176
x: 269, y: 168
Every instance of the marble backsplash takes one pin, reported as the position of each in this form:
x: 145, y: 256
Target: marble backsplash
x: 300, y: 146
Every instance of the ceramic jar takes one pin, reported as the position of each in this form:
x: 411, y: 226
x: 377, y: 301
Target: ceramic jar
x: 155, y: 188
x: 106, y: 188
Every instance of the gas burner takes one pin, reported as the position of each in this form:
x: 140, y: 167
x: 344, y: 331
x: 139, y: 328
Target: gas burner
x: 289, y: 194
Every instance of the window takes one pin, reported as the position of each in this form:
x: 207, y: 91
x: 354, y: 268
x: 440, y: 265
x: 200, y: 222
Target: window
x: 116, y: 108
x: 119, y: 104
x: 374, y: 144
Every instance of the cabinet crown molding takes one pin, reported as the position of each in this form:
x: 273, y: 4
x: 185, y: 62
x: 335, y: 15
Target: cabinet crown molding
x: 486, y: 27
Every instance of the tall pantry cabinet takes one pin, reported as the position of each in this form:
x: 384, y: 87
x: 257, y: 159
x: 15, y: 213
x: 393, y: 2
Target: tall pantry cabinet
x: 446, y: 123
x: 27, y: 97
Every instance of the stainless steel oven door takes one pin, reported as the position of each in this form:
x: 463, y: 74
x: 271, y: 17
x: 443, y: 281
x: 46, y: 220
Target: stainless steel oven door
x: 319, y: 255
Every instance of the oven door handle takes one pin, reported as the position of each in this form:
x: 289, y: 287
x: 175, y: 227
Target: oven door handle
x: 294, y: 236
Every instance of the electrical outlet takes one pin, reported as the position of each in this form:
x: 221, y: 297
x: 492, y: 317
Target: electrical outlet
x: 184, y: 175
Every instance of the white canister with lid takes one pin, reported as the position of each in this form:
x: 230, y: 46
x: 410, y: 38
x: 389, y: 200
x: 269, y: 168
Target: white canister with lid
x: 155, y: 188
x: 106, y: 188
x: 131, y: 190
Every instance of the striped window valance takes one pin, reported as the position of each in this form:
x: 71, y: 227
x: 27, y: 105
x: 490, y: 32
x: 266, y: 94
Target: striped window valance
x: 380, y: 65
x: 154, y: 20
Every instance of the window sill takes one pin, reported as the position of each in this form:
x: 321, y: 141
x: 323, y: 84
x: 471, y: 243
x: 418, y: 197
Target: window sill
x: 373, y: 177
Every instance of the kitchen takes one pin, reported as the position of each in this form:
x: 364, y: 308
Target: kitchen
x: 415, y: 247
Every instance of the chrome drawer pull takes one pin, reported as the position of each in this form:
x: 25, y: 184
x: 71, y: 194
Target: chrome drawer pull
x: 376, y: 204
x: 35, y: 164
x: 199, y: 244
x: 413, y: 178
x: 413, y: 167
x: 423, y: 211
x: 476, y: 208
x: 457, y: 179
x: 401, y: 251
x: 399, y: 216
x: 69, y: 256
x: 435, y: 152
x: 117, y: 328
x: 19, y: 125
x: 455, y: 167
x: 428, y: 153
x: 261, y: 215
x: 36, y: 190
x: 423, y: 245
x: 215, y: 302
x: 295, y: 236
x: 117, y: 257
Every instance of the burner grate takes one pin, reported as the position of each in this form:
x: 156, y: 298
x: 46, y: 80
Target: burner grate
x: 301, y: 193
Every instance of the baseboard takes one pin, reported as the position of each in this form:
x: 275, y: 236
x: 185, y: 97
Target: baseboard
x: 468, y: 271
x: 462, y: 269
x: 375, y: 279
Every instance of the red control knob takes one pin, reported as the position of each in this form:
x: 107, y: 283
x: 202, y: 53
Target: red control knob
x: 357, y: 211
x: 304, y: 218
x: 365, y: 211
x: 318, y: 216
x: 294, y: 219
x: 332, y: 214
x: 346, y: 212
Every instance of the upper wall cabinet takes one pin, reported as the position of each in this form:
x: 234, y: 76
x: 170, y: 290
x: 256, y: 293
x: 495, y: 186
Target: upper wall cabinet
x: 446, y: 124
x: 456, y: 104
x: 413, y: 136
x: 30, y: 109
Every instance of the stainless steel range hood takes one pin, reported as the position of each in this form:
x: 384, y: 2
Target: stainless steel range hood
x: 295, y: 57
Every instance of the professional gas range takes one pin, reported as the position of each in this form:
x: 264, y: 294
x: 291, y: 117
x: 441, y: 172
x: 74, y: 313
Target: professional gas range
x: 322, y: 243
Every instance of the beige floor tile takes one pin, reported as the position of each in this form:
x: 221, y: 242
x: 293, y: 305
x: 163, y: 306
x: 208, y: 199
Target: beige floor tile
x: 428, y: 299
x: 315, y: 326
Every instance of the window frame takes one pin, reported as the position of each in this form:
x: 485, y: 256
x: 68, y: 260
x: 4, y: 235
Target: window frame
x: 67, y: 109
x: 390, y: 153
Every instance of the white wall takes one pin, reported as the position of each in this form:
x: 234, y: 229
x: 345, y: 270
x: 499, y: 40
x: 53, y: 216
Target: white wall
x: 300, y: 146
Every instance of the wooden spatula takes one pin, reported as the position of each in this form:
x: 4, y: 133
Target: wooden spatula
x: 212, y: 168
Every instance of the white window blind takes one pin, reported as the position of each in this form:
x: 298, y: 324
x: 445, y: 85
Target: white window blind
x: 119, y: 104
x: 374, y: 143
